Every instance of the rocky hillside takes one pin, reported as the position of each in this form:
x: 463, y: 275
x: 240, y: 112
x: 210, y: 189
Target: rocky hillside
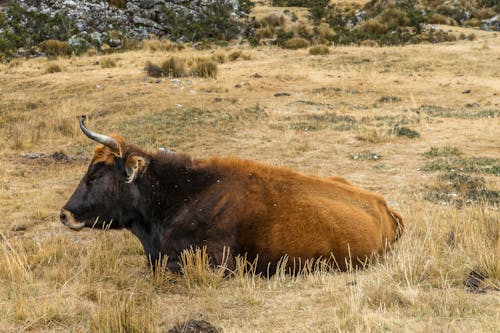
x: 384, y: 22
x: 26, y: 23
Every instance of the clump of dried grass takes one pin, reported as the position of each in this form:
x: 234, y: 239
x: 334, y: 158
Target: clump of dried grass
x: 53, y: 68
x: 179, y: 67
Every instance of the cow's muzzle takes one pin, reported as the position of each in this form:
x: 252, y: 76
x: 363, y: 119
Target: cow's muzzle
x: 69, y: 220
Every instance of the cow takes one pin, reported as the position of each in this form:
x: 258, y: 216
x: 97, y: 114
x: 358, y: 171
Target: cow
x: 229, y: 206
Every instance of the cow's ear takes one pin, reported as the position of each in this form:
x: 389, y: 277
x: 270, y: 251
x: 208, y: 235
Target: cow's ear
x: 134, y: 166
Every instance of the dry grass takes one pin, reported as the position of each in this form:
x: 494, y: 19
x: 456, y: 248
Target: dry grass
x: 345, y: 102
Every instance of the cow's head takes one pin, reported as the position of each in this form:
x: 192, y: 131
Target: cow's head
x: 108, y: 192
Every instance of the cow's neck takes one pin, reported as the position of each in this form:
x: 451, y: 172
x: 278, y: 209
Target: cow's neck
x: 167, y: 224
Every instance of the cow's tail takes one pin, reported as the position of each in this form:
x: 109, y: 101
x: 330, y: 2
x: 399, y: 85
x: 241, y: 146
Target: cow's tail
x: 398, y: 221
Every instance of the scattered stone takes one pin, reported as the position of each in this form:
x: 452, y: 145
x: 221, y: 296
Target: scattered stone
x: 57, y: 156
x: 473, y: 282
x: 466, y: 91
x: 194, y: 326
x: 491, y: 24
x: 472, y: 105
x: 281, y: 94
x: 257, y: 75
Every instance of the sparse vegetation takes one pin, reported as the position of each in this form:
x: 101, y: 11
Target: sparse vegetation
x: 296, y: 43
x: 319, y: 50
x: 107, y: 63
x: 53, y: 68
x: 337, y: 119
x: 174, y: 67
x: 205, y: 68
x: 461, y: 189
x: 55, y: 48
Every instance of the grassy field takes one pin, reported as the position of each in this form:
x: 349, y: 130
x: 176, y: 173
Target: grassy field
x: 419, y: 124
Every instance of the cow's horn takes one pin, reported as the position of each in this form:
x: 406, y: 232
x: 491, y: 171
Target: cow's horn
x: 101, y: 138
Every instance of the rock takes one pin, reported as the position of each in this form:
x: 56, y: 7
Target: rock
x: 140, y: 18
x: 115, y: 43
x: 281, y: 94
x: 96, y: 36
x: 491, y: 24
x: 473, y: 282
x: 194, y: 326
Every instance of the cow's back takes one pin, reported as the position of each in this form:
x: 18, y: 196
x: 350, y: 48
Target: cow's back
x: 273, y: 211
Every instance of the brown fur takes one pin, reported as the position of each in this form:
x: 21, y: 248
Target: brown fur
x: 172, y: 202
x: 283, y: 212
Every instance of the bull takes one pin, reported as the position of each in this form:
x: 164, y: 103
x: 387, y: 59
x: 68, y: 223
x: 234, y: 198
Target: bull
x: 172, y: 202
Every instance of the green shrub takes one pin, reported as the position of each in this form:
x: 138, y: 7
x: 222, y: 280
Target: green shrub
x: 282, y: 36
x: 296, y: 43
x: 27, y: 29
x: 118, y: 3
x: 214, y: 22
x: 319, y: 50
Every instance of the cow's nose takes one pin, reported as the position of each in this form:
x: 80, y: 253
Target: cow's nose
x: 63, y: 216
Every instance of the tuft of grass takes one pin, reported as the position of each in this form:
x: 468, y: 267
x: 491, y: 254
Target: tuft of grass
x: 319, y: 50
x: 153, y: 70
x: 388, y: 99
x: 406, y: 132
x: 484, y: 165
x: 366, y: 155
x: 321, y: 121
x: 205, y: 68
x: 445, y: 151
x: 272, y: 20
x: 219, y: 57
x: 445, y: 112
x: 375, y: 135
x: 461, y: 189
x: 55, y: 48
x: 373, y: 26
x: 174, y: 67
x: 197, y: 271
x: 369, y: 43
x: 53, y: 68
x: 235, y: 55
x: 124, y: 314
x: 163, y: 45
x: 472, y: 37
x: 436, y: 18
x: 107, y: 63
x: 296, y: 43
